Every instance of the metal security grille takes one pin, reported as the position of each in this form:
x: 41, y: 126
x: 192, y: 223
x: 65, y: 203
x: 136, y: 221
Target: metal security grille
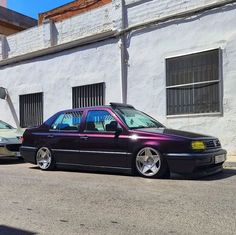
x: 193, y: 83
x: 88, y: 95
x: 31, y: 110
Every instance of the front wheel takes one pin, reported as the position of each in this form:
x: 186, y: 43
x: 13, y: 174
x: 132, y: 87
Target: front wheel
x: 150, y: 164
x: 44, y: 159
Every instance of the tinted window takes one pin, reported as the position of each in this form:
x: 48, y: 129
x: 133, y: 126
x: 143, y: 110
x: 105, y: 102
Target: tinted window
x: 4, y: 125
x: 100, y: 121
x: 68, y: 121
x: 136, y: 119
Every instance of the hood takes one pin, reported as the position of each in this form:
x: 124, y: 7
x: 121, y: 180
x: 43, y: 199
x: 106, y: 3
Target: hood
x: 11, y: 133
x: 173, y: 132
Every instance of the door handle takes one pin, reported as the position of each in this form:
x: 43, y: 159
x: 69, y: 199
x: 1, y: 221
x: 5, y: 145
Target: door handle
x: 50, y: 136
x: 84, y: 137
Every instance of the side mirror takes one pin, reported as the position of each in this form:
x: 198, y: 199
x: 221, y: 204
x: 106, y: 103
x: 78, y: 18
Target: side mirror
x: 119, y: 130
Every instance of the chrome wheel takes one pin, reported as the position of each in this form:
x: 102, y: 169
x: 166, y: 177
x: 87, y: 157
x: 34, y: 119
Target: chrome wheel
x: 44, y: 158
x: 148, y: 162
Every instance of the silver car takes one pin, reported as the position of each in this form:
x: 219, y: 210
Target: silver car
x: 10, y: 140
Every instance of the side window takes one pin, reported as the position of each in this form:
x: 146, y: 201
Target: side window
x: 68, y: 121
x: 57, y: 122
x: 100, y: 121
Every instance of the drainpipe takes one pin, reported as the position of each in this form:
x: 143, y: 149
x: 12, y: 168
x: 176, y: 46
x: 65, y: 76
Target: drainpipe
x: 5, y: 96
x: 124, y: 60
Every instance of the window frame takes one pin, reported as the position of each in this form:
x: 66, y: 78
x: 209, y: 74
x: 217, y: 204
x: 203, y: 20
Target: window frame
x: 64, y: 114
x: 40, y: 120
x: 85, y: 89
x: 99, y: 132
x: 219, y: 81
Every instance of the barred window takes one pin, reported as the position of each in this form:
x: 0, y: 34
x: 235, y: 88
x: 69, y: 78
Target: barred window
x: 31, y: 110
x: 88, y: 95
x: 193, y: 83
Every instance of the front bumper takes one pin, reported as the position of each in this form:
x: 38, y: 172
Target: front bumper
x: 10, y: 150
x: 190, y: 163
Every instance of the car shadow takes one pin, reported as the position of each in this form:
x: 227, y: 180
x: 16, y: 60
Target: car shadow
x: 226, y: 173
x: 76, y: 170
x: 14, y: 231
x: 11, y: 160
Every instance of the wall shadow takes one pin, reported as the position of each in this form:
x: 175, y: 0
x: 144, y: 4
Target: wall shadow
x: 13, y: 112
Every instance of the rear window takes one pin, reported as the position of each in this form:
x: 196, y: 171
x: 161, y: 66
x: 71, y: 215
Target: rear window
x: 4, y: 125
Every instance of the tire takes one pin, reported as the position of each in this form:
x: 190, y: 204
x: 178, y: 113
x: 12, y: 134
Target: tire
x: 149, y: 163
x: 44, y: 159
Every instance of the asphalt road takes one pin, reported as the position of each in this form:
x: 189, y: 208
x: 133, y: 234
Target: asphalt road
x: 73, y: 202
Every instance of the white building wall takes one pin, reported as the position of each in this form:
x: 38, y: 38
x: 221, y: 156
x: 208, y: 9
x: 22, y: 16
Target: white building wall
x: 140, y: 11
x: 148, y: 47
x: 56, y: 74
x: 42, y: 37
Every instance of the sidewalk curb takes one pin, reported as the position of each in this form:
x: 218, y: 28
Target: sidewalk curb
x: 230, y: 164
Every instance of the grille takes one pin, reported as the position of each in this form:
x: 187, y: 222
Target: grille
x: 31, y: 110
x: 13, y: 147
x: 88, y: 95
x: 193, y: 83
x: 212, y: 144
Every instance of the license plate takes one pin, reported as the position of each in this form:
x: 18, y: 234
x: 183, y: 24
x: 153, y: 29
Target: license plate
x: 17, y: 154
x: 220, y: 158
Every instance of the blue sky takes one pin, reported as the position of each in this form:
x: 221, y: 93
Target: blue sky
x: 32, y: 8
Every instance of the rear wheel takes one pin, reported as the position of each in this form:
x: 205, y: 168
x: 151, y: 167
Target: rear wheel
x: 150, y: 164
x: 44, y: 159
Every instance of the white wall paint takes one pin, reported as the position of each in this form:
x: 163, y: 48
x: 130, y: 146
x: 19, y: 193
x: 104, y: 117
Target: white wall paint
x: 56, y: 74
x: 80, y: 26
x: 148, y: 50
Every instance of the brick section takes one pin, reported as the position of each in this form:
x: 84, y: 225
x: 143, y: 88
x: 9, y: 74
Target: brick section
x: 50, y: 34
x: 16, y: 19
x: 140, y: 11
x: 71, y: 9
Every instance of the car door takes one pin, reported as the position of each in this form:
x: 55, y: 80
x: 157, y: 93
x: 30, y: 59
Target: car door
x: 99, y: 143
x: 64, y: 137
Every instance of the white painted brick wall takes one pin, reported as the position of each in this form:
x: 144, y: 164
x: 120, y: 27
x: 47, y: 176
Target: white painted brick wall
x: 144, y: 10
x: 84, y: 25
x: 97, y: 21
x: 80, y: 26
x: 25, y: 42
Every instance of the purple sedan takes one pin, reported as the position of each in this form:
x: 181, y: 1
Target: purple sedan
x: 119, y: 138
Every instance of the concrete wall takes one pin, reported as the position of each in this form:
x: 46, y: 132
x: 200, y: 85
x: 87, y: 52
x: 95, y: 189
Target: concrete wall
x: 49, y: 34
x: 156, y: 9
x: 55, y: 75
x: 147, y: 49
x: 150, y: 47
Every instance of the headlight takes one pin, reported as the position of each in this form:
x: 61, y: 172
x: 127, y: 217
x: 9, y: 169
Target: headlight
x: 198, y: 145
x: 3, y: 140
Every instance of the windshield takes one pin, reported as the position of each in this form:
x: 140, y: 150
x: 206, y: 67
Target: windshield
x: 4, y: 125
x: 136, y: 119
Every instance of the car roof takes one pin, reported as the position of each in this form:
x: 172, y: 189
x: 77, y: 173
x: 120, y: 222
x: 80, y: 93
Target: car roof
x: 111, y: 106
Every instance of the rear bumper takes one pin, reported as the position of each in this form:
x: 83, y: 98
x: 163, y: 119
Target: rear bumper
x: 28, y: 153
x: 10, y: 150
x: 191, y: 163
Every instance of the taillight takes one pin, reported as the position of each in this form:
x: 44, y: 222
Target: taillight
x: 21, y: 139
